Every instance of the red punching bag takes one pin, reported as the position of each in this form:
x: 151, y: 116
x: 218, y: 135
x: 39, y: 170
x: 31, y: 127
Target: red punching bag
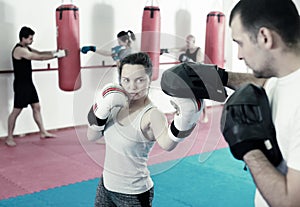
x: 215, y: 37
x: 67, y: 24
x: 150, y: 38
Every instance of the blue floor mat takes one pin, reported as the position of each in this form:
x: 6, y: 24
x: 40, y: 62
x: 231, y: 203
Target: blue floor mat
x: 218, y: 181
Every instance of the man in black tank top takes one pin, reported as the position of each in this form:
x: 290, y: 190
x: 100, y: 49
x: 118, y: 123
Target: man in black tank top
x: 192, y: 51
x: 188, y: 53
x: 24, y: 89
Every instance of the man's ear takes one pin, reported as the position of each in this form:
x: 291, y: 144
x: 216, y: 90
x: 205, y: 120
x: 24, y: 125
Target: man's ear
x: 265, y: 37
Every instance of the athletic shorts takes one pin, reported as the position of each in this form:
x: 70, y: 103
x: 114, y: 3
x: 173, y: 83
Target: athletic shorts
x: 25, y: 94
x: 106, y: 198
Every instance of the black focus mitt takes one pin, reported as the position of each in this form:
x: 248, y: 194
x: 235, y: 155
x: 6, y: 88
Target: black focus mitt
x: 194, y: 80
x: 246, y: 124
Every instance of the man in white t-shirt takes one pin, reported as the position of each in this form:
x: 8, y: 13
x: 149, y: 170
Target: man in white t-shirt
x: 268, y: 36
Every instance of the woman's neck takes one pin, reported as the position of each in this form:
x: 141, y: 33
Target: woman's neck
x: 136, y: 104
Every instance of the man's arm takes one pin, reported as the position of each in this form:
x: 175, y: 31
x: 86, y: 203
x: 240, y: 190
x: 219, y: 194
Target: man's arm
x: 21, y: 52
x: 172, y: 50
x: 36, y: 55
x: 176, y: 50
x: 277, y: 189
x: 236, y: 80
x: 40, y: 52
x: 199, y: 57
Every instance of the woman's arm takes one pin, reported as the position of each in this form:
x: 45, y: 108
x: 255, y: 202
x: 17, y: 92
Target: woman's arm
x: 155, y: 127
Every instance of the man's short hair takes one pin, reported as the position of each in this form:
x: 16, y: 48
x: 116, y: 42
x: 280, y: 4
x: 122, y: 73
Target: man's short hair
x: 25, y: 32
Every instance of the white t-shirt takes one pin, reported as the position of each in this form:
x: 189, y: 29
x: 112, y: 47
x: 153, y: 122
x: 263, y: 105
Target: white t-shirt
x: 284, y: 97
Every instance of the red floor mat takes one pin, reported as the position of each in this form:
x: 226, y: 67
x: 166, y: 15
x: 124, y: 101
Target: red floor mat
x: 37, y: 164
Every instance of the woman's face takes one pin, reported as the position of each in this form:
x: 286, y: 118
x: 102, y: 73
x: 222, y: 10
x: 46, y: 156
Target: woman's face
x: 135, y: 81
x: 122, y: 43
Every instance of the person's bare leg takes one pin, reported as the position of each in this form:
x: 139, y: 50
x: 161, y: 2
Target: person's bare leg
x: 100, y: 141
x: 36, y: 110
x: 11, y: 126
x: 204, y: 114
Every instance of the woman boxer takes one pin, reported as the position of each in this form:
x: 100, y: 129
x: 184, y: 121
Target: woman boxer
x: 131, y: 124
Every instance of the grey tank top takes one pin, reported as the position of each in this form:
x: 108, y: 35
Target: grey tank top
x: 126, y: 156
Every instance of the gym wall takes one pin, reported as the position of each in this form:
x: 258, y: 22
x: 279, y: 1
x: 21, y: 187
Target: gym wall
x: 100, y: 21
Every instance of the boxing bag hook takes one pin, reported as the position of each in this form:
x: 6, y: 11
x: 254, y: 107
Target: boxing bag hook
x: 152, y: 3
x: 152, y: 7
x: 74, y: 9
x: 63, y: 1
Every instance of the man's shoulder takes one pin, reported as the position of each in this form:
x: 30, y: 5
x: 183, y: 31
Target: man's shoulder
x: 270, y: 83
x: 20, y: 51
x: 20, y: 47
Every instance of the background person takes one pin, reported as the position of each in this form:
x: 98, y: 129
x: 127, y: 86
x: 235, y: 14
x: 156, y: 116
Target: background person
x: 189, y: 52
x: 118, y: 52
x: 24, y: 89
x: 192, y: 53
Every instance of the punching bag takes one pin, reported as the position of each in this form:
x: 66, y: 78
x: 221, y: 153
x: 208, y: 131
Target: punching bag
x: 67, y: 25
x: 150, y: 38
x: 215, y: 37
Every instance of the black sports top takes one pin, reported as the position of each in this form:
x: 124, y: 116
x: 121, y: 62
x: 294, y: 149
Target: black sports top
x: 22, y: 68
x: 193, y: 55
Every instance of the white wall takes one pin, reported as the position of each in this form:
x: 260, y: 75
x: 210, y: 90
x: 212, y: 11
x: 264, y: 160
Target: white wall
x: 100, y: 21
